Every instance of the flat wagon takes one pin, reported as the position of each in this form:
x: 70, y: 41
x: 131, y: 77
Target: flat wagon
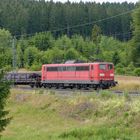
x: 32, y: 79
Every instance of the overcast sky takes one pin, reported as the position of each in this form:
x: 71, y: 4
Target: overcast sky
x: 134, y: 1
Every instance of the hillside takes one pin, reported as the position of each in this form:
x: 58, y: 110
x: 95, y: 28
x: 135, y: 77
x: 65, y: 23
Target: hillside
x: 44, y: 115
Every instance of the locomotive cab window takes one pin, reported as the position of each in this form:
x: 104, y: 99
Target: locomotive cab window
x: 102, y: 66
x: 52, y: 68
x: 110, y: 66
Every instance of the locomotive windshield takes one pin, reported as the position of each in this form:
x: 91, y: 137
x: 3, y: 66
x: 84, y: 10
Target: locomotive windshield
x: 110, y: 66
x: 102, y: 66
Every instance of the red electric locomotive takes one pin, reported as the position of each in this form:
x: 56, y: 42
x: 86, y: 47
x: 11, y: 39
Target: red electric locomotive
x: 80, y: 75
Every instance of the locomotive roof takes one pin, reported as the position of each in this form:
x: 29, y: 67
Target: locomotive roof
x: 77, y: 64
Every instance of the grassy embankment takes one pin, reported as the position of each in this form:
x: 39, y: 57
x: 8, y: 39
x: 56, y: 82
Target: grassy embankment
x: 43, y: 115
x: 128, y: 83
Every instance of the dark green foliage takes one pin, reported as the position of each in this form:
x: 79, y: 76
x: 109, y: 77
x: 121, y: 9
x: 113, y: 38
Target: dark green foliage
x: 126, y: 70
x: 32, y: 52
x: 22, y: 44
x: 115, y: 58
x: 4, y: 93
x: 5, y: 48
x: 31, y: 16
x: 42, y: 48
x: 96, y: 38
x: 130, y: 69
x: 71, y: 54
x: 31, y: 55
x: 120, y: 71
x: 119, y: 65
x: 42, y: 41
x: 54, y: 55
x: 96, y: 34
x: 36, y: 66
x: 137, y: 71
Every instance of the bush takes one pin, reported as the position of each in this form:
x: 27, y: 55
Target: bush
x: 36, y: 66
x: 120, y: 71
x: 137, y: 72
x: 7, y: 68
x: 130, y: 69
x: 119, y: 65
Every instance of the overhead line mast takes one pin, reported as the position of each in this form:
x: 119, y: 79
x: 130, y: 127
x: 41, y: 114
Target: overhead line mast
x: 14, y: 53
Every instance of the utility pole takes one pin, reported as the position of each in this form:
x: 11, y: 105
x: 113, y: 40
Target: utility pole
x: 68, y: 30
x: 14, y: 53
x: 64, y: 53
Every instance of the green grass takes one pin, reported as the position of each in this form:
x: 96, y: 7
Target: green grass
x: 39, y: 115
x: 103, y: 132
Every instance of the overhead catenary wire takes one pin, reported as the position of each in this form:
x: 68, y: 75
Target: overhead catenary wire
x: 93, y: 22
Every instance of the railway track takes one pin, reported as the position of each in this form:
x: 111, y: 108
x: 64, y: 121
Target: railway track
x: 74, y: 91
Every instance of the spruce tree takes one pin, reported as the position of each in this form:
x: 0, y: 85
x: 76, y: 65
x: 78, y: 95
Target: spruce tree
x: 96, y: 38
x: 4, y: 93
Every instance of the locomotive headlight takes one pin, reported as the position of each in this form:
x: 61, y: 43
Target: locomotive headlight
x: 111, y: 74
x: 102, y: 74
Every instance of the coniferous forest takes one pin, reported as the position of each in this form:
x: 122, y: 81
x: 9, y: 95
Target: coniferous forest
x: 31, y: 16
x: 37, y: 32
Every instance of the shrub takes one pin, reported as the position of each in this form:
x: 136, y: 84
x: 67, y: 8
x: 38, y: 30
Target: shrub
x: 7, y: 68
x: 36, y: 67
x: 120, y: 71
x: 137, y: 72
x: 130, y: 69
x: 119, y: 65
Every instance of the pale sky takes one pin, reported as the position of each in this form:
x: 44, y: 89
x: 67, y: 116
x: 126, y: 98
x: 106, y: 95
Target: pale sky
x: 134, y: 1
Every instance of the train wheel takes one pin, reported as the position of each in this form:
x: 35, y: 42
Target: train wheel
x: 78, y: 86
x: 36, y: 85
x: 39, y: 86
x: 85, y: 87
x: 50, y: 86
x: 56, y: 86
x: 45, y: 86
x: 71, y: 87
x: 32, y: 86
x: 97, y: 87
